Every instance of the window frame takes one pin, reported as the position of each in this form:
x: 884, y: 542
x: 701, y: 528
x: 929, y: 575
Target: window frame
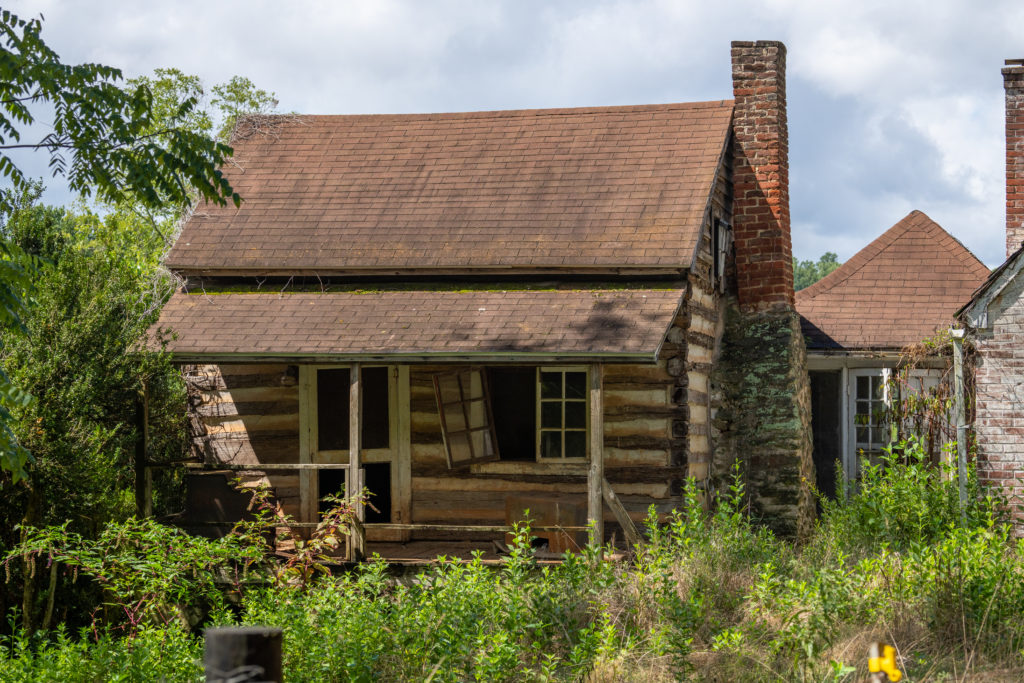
x: 563, y: 400
x: 491, y: 452
x: 367, y: 455
x: 310, y: 433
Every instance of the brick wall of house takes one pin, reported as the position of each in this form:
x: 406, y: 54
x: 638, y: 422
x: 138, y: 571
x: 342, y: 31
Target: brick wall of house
x: 764, y: 253
x: 999, y: 395
x: 1013, y: 83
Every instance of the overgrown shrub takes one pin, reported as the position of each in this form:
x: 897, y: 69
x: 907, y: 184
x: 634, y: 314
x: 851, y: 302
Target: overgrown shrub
x: 708, y: 596
x: 901, y: 501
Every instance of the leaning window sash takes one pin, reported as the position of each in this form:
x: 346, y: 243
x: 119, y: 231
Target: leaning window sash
x: 467, y: 421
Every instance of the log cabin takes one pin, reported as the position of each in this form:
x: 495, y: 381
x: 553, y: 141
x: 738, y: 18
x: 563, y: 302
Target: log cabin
x: 566, y: 311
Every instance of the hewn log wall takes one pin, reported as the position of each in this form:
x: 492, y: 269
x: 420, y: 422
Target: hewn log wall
x: 247, y: 414
x: 639, y: 415
x: 707, y: 287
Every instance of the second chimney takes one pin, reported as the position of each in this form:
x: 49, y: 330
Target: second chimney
x: 1013, y: 82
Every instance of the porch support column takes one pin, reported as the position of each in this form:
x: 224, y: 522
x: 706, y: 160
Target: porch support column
x: 354, y: 478
x: 595, y: 475
x: 961, y: 414
x: 143, y: 474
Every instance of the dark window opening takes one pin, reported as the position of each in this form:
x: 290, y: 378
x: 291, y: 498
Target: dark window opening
x: 377, y: 479
x: 329, y: 482
x: 332, y: 401
x: 376, y: 421
x: 514, y: 404
x: 332, y: 391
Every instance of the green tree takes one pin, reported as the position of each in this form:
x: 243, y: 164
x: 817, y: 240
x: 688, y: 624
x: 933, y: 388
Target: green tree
x: 806, y: 273
x: 108, y: 142
x: 214, y: 115
x: 15, y: 284
x: 105, y: 139
x: 94, y: 296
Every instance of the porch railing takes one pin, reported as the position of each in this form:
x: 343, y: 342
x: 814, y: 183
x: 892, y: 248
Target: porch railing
x: 356, y: 547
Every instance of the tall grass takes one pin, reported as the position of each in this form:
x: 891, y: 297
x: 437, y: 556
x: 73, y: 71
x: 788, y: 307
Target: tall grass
x: 708, y: 596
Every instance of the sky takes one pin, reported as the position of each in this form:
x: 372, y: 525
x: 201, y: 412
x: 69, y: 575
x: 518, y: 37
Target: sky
x: 894, y: 105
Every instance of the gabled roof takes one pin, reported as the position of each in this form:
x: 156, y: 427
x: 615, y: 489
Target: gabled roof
x: 610, y: 324
x: 594, y: 189
x: 896, y: 291
x: 975, y: 312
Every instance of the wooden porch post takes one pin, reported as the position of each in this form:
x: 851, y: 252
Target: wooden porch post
x: 307, y: 477
x: 353, y: 480
x: 143, y: 474
x: 595, y: 475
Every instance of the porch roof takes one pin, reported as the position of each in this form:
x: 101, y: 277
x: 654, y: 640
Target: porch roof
x: 505, y: 325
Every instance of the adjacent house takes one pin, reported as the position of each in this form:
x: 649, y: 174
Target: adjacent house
x: 901, y: 289
x: 994, y: 318
x: 568, y: 311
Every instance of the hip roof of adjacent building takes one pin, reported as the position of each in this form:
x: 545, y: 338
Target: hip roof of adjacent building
x: 898, y: 290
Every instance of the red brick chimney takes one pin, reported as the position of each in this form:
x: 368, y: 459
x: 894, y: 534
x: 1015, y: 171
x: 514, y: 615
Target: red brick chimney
x: 1013, y: 82
x: 764, y: 249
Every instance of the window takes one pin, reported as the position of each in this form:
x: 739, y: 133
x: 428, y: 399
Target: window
x: 330, y: 440
x: 513, y: 393
x: 858, y: 411
x: 719, y: 248
x: 562, y: 413
x: 513, y: 413
x: 466, y: 424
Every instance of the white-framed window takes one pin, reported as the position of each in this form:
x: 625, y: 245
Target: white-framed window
x: 562, y: 417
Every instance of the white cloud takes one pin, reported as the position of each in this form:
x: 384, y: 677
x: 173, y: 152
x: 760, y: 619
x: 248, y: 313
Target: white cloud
x: 893, y: 106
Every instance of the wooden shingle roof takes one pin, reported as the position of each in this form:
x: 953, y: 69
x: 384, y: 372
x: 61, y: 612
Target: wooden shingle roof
x: 627, y: 324
x: 593, y: 189
x: 896, y: 291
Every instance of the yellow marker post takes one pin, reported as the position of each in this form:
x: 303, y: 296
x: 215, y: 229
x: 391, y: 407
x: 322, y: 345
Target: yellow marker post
x: 882, y: 661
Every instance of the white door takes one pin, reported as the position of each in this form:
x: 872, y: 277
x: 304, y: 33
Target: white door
x: 867, y: 427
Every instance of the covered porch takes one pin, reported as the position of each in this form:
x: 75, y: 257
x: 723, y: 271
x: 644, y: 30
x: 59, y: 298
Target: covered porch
x: 558, y: 402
